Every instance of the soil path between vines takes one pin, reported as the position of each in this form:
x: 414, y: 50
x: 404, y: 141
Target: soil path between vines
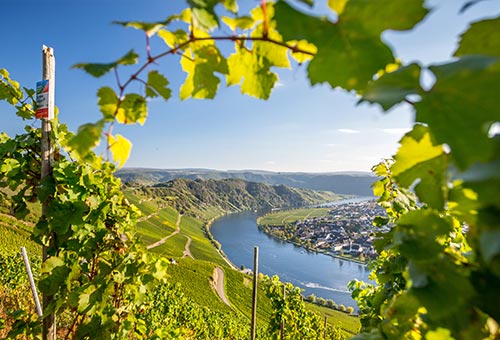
x: 187, y: 251
x: 219, y: 285
x: 163, y: 240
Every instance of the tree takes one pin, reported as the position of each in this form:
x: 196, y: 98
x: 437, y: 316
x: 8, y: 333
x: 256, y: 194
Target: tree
x: 311, y: 298
x: 439, y: 267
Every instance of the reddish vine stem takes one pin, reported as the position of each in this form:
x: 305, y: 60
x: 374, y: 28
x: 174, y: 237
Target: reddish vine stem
x: 73, y: 324
x: 264, y: 13
x: 192, y: 39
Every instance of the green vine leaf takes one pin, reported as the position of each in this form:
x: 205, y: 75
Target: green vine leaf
x: 337, y: 5
x: 481, y: 38
x: 243, y: 23
x: 108, y: 102
x: 393, y: 88
x: 98, y: 70
x: 203, y: 14
x: 173, y: 39
x: 133, y: 109
x: 86, y: 138
x: 419, y: 159
x: 157, y: 85
x: 150, y: 28
x: 252, y: 72
x: 276, y: 55
x: 349, y: 52
x: 200, y: 64
x: 467, y: 89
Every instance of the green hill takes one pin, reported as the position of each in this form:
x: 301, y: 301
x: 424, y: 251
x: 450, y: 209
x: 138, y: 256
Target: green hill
x: 206, y: 199
x: 348, y: 183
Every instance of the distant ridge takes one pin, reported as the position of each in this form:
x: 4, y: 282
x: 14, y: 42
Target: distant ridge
x: 347, y: 183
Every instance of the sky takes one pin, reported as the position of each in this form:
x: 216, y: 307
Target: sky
x: 299, y: 129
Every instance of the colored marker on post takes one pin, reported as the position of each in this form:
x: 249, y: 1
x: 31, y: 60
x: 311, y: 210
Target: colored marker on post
x: 44, y: 100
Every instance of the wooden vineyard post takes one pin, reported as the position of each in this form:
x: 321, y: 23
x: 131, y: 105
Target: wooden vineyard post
x: 325, y: 327
x: 282, y: 330
x: 45, y: 114
x: 254, y: 292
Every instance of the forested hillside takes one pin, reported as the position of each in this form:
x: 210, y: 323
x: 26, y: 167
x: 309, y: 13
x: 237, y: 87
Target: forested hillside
x: 350, y: 183
x: 230, y: 195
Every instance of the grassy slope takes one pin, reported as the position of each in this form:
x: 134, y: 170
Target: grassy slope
x: 348, y: 323
x: 14, y: 234
x: 290, y: 216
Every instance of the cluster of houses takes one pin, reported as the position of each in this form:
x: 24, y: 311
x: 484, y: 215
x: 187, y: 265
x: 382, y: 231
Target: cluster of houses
x: 346, y: 230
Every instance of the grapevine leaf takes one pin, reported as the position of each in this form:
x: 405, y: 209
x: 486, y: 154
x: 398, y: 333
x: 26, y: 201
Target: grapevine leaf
x: 203, y: 13
x: 133, y: 109
x: 258, y: 80
x: 350, y: 52
x: 51, y: 263
x: 56, y: 272
x: 481, y: 38
x: 464, y: 98
x: 276, y: 55
x: 419, y: 159
x: 392, y: 88
x: 157, y: 85
x: 150, y: 28
x: 201, y: 81
x: 160, y: 269
x: 374, y: 17
x: 108, y: 101
x: 173, y: 39
x: 302, y: 45
x: 130, y: 58
x: 337, y: 5
x: 231, y: 5
x: 343, y: 59
x: 7, y: 145
x: 99, y: 69
x: 425, y: 223
x: 10, y: 90
x: 244, y: 22
x: 446, y: 286
x: 439, y: 334
x: 120, y: 148
x: 10, y: 167
x: 86, y: 138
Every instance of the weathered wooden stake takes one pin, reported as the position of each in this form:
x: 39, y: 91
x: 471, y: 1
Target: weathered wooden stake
x: 32, y: 282
x: 48, y: 72
x: 254, y: 293
x: 282, y: 330
x: 325, y: 327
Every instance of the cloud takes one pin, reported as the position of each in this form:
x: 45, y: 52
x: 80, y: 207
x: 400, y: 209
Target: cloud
x: 270, y: 162
x: 396, y: 131
x: 348, y: 131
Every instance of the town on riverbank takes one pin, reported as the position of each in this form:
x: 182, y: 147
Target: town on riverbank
x: 343, y: 230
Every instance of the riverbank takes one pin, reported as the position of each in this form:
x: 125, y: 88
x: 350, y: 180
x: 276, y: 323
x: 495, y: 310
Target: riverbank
x: 317, y: 251
x: 216, y: 244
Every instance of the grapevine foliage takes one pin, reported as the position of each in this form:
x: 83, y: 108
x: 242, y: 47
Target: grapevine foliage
x: 438, y: 270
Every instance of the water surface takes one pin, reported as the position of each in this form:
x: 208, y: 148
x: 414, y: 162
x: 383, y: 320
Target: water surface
x: 317, y: 274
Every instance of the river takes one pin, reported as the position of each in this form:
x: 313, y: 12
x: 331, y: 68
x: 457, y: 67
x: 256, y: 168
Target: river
x: 318, y: 274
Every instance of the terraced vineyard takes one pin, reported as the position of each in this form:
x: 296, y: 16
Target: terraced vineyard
x: 14, y: 235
